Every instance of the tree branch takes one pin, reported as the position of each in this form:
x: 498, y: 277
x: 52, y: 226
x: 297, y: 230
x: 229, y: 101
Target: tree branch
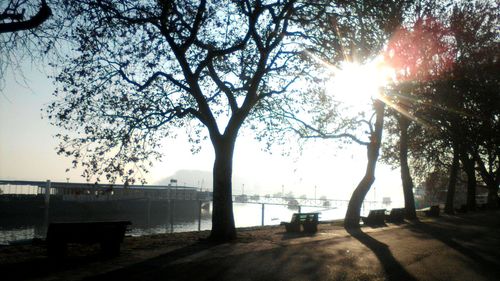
x: 42, y: 15
x: 151, y: 79
x: 321, y: 134
x: 229, y: 94
x: 196, y: 26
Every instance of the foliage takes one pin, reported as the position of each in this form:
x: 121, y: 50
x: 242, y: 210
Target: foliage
x: 139, y: 69
x: 435, y: 186
x: 450, y: 89
x: 345, y: 31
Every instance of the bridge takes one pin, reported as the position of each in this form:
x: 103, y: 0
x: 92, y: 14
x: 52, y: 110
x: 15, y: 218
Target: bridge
x: 293, y: 202
x: 100, y: 192
x: 109, y: 192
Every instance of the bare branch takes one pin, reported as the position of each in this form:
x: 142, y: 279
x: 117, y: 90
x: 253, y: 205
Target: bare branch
x: 41, y: 16
x: 152, y: 78
x: 229, y: 94
x: 196, y: 26
x: 319, y: 133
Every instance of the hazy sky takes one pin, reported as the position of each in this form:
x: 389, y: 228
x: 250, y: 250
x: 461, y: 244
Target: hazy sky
x: 27, y: 152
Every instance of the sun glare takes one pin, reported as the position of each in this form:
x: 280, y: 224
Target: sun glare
x: 355, y: 84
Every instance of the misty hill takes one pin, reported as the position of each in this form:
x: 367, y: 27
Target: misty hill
x: 203, y: 179
x: 193, y: 178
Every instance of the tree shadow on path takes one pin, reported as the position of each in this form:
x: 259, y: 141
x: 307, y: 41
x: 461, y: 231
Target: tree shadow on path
x: 147, y: 267
x: 392, y: 268
x: 480, y: 246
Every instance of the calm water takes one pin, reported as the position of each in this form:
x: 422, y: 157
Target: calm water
x: 246, y: 214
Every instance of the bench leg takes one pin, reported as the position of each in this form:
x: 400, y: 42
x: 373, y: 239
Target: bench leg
x: 110, y: 248
x: 57, y: 249
x: 310, y: 227
x: 292, y: 227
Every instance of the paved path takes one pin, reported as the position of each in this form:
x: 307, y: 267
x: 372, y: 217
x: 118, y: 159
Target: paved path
x: 465, y: 247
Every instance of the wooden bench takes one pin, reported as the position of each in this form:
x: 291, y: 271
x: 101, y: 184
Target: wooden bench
x: 308, y: 221
x: 397, y: 215
x: 375, y: 217
x: 108, y: 234
x: 433, y: 211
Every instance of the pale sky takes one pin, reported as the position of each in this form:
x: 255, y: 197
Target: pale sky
x: 27, y: 152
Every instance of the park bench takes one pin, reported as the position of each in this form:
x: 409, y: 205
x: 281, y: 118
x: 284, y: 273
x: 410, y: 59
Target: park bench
x: 397, y: 215
x: 375, y: 217
x: 308, y: 221
x: 108, y: 234
x: 433, y: 211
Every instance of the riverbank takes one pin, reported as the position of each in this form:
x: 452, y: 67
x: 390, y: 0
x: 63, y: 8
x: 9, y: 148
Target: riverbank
x: 460, y: 247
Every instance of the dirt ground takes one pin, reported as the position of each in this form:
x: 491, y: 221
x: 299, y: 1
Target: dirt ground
x: 463, y: 247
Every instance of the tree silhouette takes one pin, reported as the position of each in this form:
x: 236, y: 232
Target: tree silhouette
x: 140, y: 68
x: 449, y: 91
x: 418, y: 51
x: 347, y: 31
x: 476, y: 82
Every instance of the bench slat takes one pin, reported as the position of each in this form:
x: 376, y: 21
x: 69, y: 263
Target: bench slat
x: 375, y: 217
x: 308, y: 221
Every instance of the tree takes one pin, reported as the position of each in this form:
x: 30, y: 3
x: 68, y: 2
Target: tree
x: 463, y: 104
x: 406, y: 179
x: 140, y: 66
x: 375, y: 23
x: 358, y: 196
x: 346, y: 31
x: 474, y: 25
x: 453, y: 97
x: 418, y: 53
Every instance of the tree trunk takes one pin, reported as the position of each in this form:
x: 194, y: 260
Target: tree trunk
x: 450, y: 194
x: 358, y: 196
x: 223, y: 227
x: 492, y: 181
x: 469, y: 167
x: 406, y: 179
x: 493, y: 200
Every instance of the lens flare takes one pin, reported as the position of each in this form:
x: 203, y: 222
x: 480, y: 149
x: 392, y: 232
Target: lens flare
x: 354, y: 83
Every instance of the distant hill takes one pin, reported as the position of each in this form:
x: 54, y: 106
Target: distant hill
x: 194, y: 178
x: 204, y: 179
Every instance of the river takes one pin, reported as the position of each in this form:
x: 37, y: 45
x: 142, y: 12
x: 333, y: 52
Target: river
x: 246, y: 215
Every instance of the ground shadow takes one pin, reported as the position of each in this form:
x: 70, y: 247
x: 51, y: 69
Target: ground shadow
x: 227, y: 266
x: 392, y: 268
x: 41, y: 265
x: 312, y: 260
x: 461, y: 234
x: 295, y: 235
x: 375, y: 225
x: 156, y: 264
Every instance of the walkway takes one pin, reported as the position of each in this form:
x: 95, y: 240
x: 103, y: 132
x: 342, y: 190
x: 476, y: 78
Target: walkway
x: 448, y: 248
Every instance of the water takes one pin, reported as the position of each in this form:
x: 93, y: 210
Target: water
x: 246, y: 215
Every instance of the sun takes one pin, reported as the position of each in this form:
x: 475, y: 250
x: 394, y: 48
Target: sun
x: 357, y: 84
